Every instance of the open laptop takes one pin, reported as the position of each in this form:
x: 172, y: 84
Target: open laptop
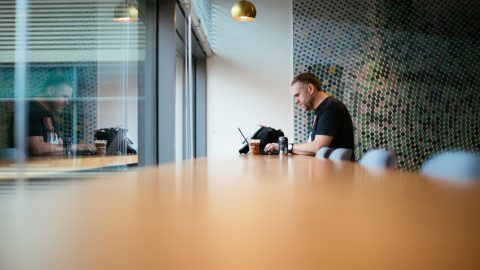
x: 244, y: 138
x: 244, y: 149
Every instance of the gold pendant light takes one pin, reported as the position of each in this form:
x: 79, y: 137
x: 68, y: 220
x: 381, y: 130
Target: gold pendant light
x: 244, y: 11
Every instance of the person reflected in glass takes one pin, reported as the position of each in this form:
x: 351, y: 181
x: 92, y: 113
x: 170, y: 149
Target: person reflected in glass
x: 42, y: 129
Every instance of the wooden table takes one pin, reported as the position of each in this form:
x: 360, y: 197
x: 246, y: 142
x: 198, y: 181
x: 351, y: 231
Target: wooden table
x: 247, y: 212
x: 42, y: 166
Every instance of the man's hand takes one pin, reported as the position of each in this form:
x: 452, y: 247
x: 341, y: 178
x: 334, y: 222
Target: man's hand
x: 271, y: 147
x: 84, y: 147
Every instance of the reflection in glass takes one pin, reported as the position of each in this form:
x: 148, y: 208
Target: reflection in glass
x: 66, y: 73
x: 179, y: 105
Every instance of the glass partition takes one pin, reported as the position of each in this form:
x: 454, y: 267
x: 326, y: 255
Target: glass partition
x: 184, y: 88
x: 71, y: 74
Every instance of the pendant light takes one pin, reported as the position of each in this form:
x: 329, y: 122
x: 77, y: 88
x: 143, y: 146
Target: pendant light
x: 244, y: 11
x: 125, y: 12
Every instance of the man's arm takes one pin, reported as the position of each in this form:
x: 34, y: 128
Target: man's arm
x: 308, y: 148
x: 38, y: 147
x: 311, y: 148
x: 84, y: 147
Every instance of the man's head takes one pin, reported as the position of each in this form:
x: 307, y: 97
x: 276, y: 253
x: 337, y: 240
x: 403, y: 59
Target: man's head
x: 58, y: 91
x: 305, y: 87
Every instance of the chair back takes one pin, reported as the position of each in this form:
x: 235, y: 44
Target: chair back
x: 11, y: 154
x: 378, y: 158
x: 341, y: 154
x: 453, y: 166
x: 324, y: 152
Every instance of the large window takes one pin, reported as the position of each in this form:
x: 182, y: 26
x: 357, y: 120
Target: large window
x: 97, y: 84
x: 72, y: 76
x: 190, y: 92
x: 184, y: 88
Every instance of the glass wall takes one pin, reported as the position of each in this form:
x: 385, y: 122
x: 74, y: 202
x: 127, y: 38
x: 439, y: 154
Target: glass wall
x: 95, y: 84
x: 71, y: 79
x: 179, y: 103
x: 185, y: 88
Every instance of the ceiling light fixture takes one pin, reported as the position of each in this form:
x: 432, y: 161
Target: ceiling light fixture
x: 125, y: 12
x: 244, y: 11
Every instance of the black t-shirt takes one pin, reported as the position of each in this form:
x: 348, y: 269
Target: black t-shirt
x: 40, y: 121
x: 333, y: 119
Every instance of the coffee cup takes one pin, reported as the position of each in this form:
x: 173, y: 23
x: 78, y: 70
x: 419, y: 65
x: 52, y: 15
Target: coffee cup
x: 254, y: 146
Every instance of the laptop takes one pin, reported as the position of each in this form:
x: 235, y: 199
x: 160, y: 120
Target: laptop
x: 244, y: 149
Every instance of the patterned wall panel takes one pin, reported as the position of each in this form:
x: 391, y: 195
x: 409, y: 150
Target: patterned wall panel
x: 78, y: 120
x: 408, y: 71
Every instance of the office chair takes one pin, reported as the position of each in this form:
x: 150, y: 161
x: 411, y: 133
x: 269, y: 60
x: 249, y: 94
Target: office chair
x: 455, y: 166
x: 324, y: 152
x: 341, y: 154
x: 378, y: 158
x: 11, y: 154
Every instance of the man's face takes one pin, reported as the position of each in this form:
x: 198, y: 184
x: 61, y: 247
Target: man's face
x: 303, y: 95
x: 60, y: 95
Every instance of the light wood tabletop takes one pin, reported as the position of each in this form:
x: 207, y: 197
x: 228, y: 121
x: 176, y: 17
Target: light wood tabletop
x: 41, y: 166
x: 246, y: 212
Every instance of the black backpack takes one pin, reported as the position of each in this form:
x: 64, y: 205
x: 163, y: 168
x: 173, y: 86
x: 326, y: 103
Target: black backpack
x: 117, y: 141
x: 265, y: 135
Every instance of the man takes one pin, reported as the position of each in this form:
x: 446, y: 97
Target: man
x: 42, y: 130
x: 332, y: 125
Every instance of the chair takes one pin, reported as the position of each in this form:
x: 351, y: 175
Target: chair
x: 11, y: 154
x: 453, y: 166
x: 378, y: 158
x: 341, y: 154
x: 324, y: 152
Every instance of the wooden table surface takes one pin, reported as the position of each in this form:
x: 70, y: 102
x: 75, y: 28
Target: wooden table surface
x: 41, y: 166
x: 247, y: 212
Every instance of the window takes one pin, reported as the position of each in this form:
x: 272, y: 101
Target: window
x: 189, y: 112
x: 68, y: 70
x: 75, y: 73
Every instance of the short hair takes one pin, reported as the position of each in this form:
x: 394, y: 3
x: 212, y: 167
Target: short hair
x: 55, y: 82
x: 308, y: 78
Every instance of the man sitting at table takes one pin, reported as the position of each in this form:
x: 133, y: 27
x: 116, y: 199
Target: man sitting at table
x: 332, y: 125
x: 42, y: 129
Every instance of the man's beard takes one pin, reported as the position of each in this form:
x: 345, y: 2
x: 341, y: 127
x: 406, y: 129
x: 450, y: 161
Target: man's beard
x: 308, y: 104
